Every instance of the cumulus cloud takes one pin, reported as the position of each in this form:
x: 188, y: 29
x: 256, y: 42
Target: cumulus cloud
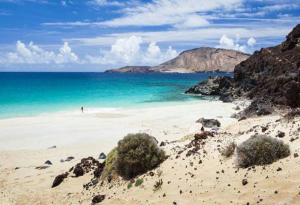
x: 33, y: 54
x: 251, y: 41
x: 230, y: 43
x: 129, y: 51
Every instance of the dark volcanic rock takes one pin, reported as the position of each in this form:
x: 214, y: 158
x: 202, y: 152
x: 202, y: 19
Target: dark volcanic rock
x: 59, y: 179
x: 257, y: 108
x: 88, y: 164
x: 102, y: 156
x: 48, y: 162
x: 98, y: 199
x: 203, y: 135
x: 78, y: 170
x: 212, y: 86
x: 273, y: 73
x: 209, y: 123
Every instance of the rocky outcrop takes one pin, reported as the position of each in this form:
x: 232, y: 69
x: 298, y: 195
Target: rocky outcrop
x: 203, y: 59
x: 196, y: 60
x: 131, y: 69
x: 270, y: 75
x: 212, y: 86
x: 218, y: 86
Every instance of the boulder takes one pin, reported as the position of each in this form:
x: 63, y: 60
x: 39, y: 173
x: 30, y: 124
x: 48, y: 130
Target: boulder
x: 102, y: 156
x: 59, y: 179
x: 209, y: 123
x: 257, y: 108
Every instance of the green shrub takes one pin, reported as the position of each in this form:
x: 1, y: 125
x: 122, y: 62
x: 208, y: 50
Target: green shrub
x: 137, y: 153
x: 261, y: 150
x: 138, y: 182
x: 110, y: 164
x: 228, y: 150
x: 129, y: 185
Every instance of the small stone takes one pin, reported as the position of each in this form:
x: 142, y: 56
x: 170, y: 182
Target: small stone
x: 244, y: 182
x: 276, y: 192
x: 296, y: 155
x: 279, y: 169
x: 48, y: 162
x: 162, y: 144
x: 280, y: 134
x: 102, y: 156
x: 69, y: 159
x: 98, y: 199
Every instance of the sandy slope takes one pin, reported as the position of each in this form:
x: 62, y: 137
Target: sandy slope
x: 200, y: 183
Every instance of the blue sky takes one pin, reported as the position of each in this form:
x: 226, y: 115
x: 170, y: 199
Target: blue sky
x: 94, y: 35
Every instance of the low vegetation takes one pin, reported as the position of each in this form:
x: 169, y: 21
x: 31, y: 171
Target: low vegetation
x: 136, y: 154
x: 138, y: 182
x: 228, y: 150
x: 110, y: 164
x: 158, y: 184
x: 261, y: 150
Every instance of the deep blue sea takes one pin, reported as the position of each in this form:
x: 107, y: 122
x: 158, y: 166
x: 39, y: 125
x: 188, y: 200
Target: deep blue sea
x: 24, y: 94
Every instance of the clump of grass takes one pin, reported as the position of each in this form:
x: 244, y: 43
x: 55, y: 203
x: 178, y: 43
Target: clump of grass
x: 261, y: 150
x: 228, y: 150
x: 110, y: 164
x: 137, y: 154
x: 138, y: 182
x: 158, y: 184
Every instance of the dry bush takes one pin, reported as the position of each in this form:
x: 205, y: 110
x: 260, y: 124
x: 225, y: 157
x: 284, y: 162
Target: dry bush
x: 228, y: 150
x: 137, y: 153
x: 261, y: 150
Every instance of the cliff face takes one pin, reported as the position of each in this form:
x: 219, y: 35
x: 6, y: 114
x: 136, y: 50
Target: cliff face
x: 273, y: 73
x: 203, y: 59
x: 196, y: 60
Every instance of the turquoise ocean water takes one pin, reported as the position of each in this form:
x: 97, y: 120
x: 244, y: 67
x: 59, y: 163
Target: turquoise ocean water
x: 25, y: 94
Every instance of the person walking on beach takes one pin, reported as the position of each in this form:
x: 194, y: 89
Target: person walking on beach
x: 82, y: 109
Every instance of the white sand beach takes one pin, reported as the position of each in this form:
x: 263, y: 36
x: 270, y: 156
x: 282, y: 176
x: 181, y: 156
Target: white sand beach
x: 25, y: 141
x: 185, y: 180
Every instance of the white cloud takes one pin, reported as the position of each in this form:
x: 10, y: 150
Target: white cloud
x: 105, y: 3
x: 129, y: 51
x: 251, y: 42
x: 33, y: 54
x: 170, y: 12
x: 195, y: 36
x: 233, y: 44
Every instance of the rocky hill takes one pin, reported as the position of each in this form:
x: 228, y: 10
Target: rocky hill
x: 131, y: 69
x: 195, y: 60
x: 203, y: 59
